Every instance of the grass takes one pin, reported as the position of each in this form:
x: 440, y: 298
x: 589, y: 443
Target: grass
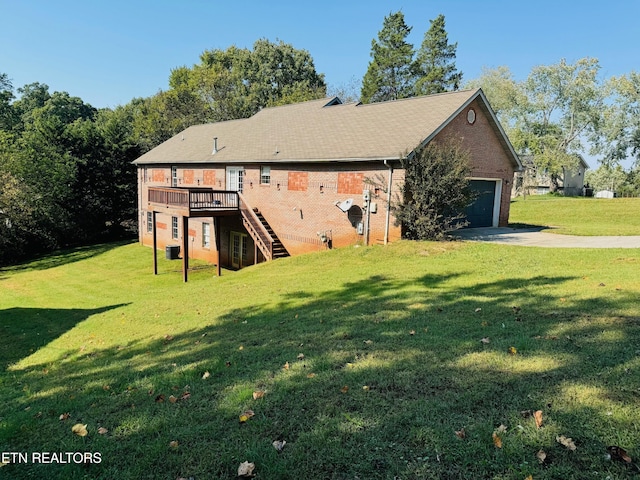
x: 102, y: 339
x: 578, y: 215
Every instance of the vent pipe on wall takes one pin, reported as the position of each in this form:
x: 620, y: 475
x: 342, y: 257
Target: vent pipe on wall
x: 215, y: 146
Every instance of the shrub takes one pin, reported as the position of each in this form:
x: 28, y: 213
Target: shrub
x: 436, y: 191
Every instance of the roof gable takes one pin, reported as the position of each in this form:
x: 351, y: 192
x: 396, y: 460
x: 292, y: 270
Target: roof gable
x: 323, y: 130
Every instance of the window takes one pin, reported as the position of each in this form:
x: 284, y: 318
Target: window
x: 206, y: 235
x: 149, y: 222
x: 174, y: 176
x: 265, y: 175
x: 174, y: 227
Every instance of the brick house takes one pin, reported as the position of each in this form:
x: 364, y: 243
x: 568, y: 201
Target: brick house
x: 309, y: 176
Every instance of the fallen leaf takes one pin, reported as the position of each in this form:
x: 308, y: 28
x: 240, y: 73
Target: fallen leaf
x: 412, y: 332
x: 497, y: 441
x: 258, y: 394
x: 246, y: 469
x: 279, y: 444
x: 160, y: 398
x: 246, y: 415
x: 311, y: 375
x: 541, y: 456
x: 65, y: 416
x: 241, y: 347
x: 501, y: 429
x: 566, y: 441
x: 227, y: 364
x: 345, y: 389
x: 525, y: 413
x: 173, y: 399
x: 619, y: 453
x: 80, y: 429
x: 365, y: 388
x: 168, y: 338
x: 460, y: 433
x: 286, y: 366
x: 368, y: 342
x: 103, y: 431
x: 485, y: 340
x: 516, y: 309
x: 537, y: 415
x: 205, y: 375
x: 512, y: 350
x: 185, y: 396
x: 300, y: 356
x: 478, y: 309
x: 106, y: 387
x: 529, y: 477
x: 173, y: 444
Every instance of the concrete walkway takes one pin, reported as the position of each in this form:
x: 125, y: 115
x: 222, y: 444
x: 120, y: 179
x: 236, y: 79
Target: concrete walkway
x: 532, y: 237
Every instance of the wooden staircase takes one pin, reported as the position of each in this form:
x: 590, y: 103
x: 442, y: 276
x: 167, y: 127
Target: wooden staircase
x: 278, y: 249
x: 263, y: 235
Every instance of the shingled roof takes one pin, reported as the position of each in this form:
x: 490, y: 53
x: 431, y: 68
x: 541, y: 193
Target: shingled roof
x: 322, y: 130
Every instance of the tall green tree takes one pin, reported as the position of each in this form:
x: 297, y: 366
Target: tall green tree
x: 565, y: 103
x: 434, y: 66
x: 226, y: 85
x: 621, y: 135
x: 554, y: 114
x: 389, y: 75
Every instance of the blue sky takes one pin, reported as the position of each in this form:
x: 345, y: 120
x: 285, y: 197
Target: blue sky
x: 110, y: 51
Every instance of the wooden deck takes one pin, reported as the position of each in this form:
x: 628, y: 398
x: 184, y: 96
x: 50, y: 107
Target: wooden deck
x: 206, y: 202
x: 193, y: 202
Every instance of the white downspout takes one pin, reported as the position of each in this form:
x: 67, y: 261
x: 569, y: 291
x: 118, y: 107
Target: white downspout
x: 388, y: 213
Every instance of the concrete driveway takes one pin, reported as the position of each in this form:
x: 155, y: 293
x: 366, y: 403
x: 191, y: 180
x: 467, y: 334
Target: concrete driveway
x: 534, y: 237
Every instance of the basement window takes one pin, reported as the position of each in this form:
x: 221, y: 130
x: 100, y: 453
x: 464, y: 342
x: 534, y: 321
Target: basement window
x: 174, y: 227
x: 265, y: 175
x: 149, y: 222
x: 206, y: 235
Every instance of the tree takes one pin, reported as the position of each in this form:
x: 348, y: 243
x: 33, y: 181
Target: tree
x: 435, y: 67
x: 436, y: 191
x: 552, y: 114
x: 621, y: 136
x: 506, y: 96
x: 389, y: 75
x: 227, y: 85
x: 607, y: 177
x: 564, y: 107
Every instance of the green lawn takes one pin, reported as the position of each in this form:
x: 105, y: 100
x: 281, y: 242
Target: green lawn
x: 578, y: 215
x: 385, y: 364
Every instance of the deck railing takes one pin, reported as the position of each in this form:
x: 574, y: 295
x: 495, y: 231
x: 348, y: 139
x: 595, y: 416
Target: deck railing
x: 194, y: 199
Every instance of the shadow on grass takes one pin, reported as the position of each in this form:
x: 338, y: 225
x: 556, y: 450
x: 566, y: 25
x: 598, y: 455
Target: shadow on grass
x: 24, y: 330
x: 415, y: 345
x: 63, y: 257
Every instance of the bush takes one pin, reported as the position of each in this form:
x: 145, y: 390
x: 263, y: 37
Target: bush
x: 436, y: 191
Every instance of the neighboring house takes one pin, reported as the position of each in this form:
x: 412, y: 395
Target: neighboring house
x: 297, y: 178
x: 533, y: 181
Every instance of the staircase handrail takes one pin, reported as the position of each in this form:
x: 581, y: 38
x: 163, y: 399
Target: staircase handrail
x: 256, y: 229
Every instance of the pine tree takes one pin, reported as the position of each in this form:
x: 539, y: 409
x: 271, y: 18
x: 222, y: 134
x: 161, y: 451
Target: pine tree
x: 435, y: 66
x: 389, y: 75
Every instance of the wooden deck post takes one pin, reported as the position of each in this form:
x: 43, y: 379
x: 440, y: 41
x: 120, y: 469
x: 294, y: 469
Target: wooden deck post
x: 216, y: 235
x: 155, y: 242
x: 185, y: 248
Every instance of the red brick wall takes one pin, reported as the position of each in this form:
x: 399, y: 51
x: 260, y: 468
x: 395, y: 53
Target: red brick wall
x: 300, y: 202
x: 488, y: 158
